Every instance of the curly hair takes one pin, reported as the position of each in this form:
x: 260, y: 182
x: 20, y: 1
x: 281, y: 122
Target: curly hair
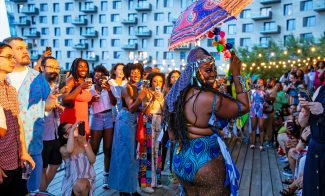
x: 131, y: 66
x: 168, y: 83
x: 154, y: 74
x: 113, y: 76
x: 74, y: 67
x: 102, y: 69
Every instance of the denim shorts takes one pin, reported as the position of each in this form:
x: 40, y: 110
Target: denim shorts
x: 101, y: 121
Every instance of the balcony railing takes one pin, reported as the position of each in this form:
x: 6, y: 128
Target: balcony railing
x: 22, y: 23
x: 130, y: 46
x: 32, y: 34
x: 81, y: 46
x: 35, y: 57
x: 92, y: 9
x: 143, y: 7
x: 259, y: 16
x: 265, y: 2
x: 90, y: 34
x: 19, y: 1
x: 319, y: 5
x: 130, y: 21
x: 92, y: 58
x: 79, y: 21
x: 271, y: 30
x: 143, y: 33
x: 27, y: 10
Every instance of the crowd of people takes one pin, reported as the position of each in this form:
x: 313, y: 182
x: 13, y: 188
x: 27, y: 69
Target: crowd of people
x: 137, y: 112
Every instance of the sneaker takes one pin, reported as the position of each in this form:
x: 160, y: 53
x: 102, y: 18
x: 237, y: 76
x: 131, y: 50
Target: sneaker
x: 105, y: 181
x: 148, y: 190
x: 159, y: 186
x: 285, y: 160
x: 287, y: 173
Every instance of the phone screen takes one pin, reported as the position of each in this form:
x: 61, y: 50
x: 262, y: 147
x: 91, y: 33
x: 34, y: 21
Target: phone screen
x: 81, y: 128
x: 62, y: 81
x: 304, y: 94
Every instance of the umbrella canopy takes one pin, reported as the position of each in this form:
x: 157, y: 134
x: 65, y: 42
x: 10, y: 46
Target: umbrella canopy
x: 201, y: 17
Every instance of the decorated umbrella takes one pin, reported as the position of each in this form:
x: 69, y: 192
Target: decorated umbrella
x: 202, y: 18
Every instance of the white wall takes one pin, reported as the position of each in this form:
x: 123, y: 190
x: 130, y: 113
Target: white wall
x: 4, y: 24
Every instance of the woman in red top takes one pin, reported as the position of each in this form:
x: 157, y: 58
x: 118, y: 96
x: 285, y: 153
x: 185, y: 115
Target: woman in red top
x: 77, y: 94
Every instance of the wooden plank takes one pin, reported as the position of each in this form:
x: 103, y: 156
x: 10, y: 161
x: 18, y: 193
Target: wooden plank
x: 256, y: 186
x: 266, y: 180
x: 245, y: 180
x: 241, y: 159
x: 275, y: 172
x: 236, y: 149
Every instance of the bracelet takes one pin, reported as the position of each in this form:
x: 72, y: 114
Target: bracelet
x: 239, y: 107
x: 86, y: 145
x: 302, y: 140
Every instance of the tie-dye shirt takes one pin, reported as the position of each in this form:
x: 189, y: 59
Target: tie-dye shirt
x: 32, y: 95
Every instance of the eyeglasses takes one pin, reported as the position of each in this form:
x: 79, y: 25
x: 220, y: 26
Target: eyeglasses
x: 10, y: 58
x: 53, y: 68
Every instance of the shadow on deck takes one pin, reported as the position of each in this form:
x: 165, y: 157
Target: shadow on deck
x: 260, y: 174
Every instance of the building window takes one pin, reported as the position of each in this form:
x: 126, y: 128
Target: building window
x: 168, y: 3
x: 69, y: 30
x: 131, y: 4
x: 265, y: 11
x: 287, y: 39
x: 68, y: 42
x: 231, y: 41
x: 306, y: 5
x: 102, y: 18
x: 68, y: 6
x: 56, y: 7
x: 44, y: 7
x: 70, y: 54
x: 57, y: 31
x: 104, y: 6
x: 245, y: 13
x: 105, y: 55
x: 264, y: 41
x: 168, y: 55
x: 232, y: 29
x: 44, y: 42
x: 56, y: 43
x: 287, y: 9
x: 269, y: 26
x: 43, y: 19
x: 144, y: 17
x: 115, y: 43
x: 168, y: 29
x: 245, y: 42
x: 216, y: 56
x: 67, y: 19
x: 67, y: 66
x: 309, y: 21
x: 159, y: 43
x: 58, y: 54
x: 182, y: 55
x: 307, y: 37
x: 209, y: 42
x: 157, y: 30
x: 55, y: 20
x: 132, y: 41
x: 104, y: 31
x: 131, y: 31
x: 115, y: 18
x: 45, y: 31
x: 159, y: 16
x: 103, y: 43
x: 117, y: 5
x: 132, y: 16
x: 117, y: 30
x: 117, y: 54
x: 291, y: 25
x: 248, y: 28
x: 144, y: 43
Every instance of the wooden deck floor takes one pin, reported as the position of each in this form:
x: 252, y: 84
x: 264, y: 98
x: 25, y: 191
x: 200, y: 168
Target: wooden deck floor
x: 260, y: 174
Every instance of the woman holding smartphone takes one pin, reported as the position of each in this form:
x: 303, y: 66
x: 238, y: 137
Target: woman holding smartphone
x: 151, y: 149
x: 77, y: 94
x: 80, y: 176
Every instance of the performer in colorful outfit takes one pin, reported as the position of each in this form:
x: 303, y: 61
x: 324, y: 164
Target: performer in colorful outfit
x: 195, y: 114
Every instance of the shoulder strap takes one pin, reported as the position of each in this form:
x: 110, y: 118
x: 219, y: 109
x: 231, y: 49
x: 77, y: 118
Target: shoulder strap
x: 214, y: 103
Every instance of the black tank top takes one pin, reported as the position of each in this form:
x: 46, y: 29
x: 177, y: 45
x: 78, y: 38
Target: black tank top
x: 134, y: 97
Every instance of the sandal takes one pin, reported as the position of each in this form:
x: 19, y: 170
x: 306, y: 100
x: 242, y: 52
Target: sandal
x: 252, y: 146
x: 288, y: 191
x: 287, y: 181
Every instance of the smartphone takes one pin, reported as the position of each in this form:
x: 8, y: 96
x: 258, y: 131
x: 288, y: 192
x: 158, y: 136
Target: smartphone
x: 157, y: 89
x: 305, y: 94
x: 48, y: 48
x: 145, y: 83
x: 81, y: 128
x: 62, y: 81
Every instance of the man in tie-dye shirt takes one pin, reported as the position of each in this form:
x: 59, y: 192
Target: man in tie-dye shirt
x: 33, y: 92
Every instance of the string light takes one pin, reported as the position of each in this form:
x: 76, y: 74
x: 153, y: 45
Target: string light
x: 298, y: 51
x: 313, y: 49
x: 285, y: 52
